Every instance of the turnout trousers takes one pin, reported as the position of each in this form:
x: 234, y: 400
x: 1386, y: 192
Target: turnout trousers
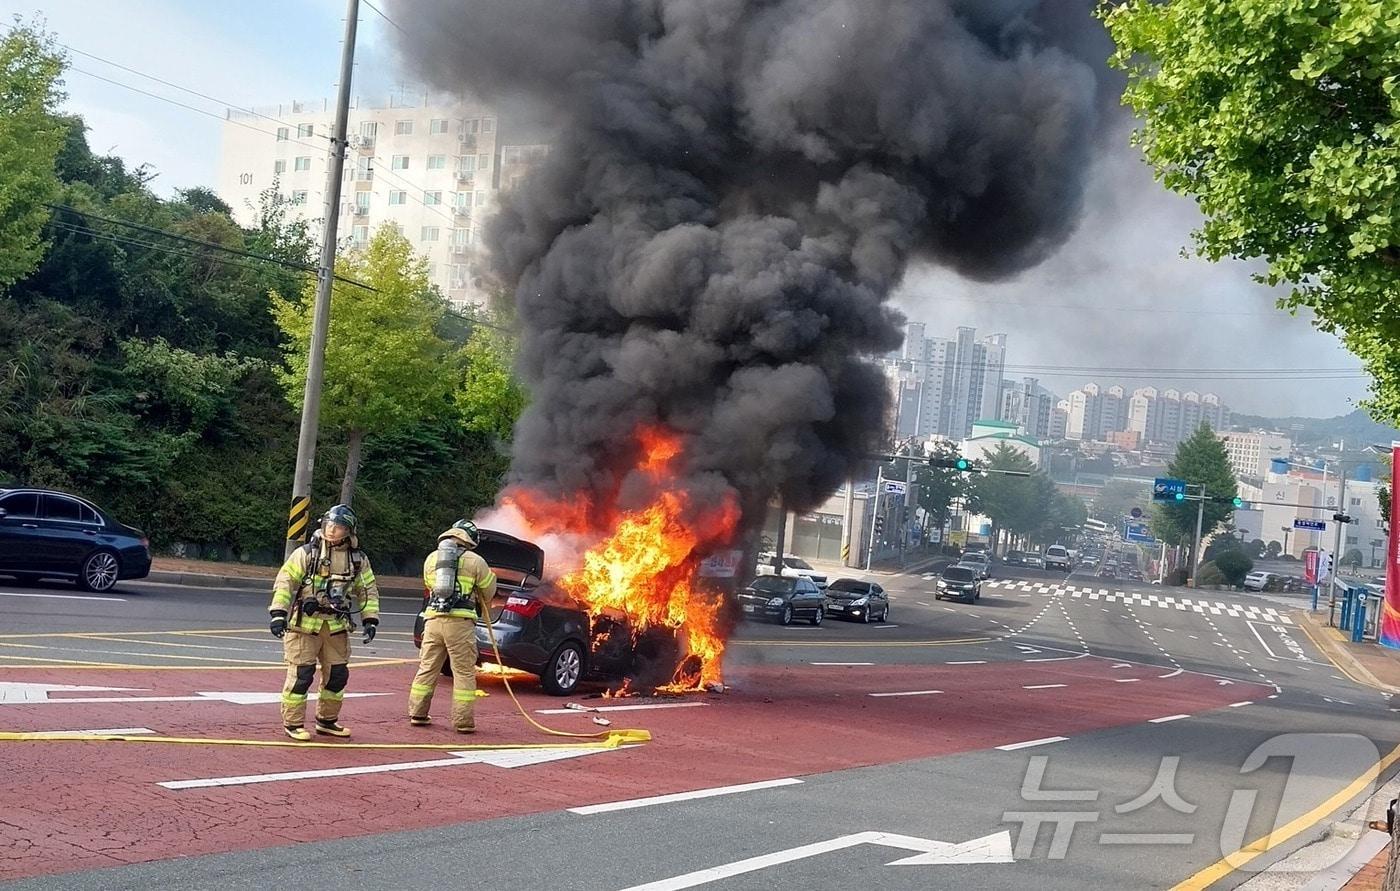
x: 447, y: 637
x: 303, y: 653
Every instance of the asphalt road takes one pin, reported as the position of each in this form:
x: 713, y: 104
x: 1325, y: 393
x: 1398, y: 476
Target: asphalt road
x: 1059, y: 733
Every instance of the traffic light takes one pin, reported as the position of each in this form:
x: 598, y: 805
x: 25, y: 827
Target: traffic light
x: 960, y: 464
x: 879, y: 525
x: 1238, y: 501
x: 1180, y: 496
x: 1342, y: 518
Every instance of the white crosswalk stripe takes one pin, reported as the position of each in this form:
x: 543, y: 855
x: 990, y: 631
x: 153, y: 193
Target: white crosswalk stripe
x: 1137, y: 598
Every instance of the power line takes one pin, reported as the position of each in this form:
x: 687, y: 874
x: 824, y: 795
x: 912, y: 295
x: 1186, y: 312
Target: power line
x: 385, y: 17
x: 304, y: 267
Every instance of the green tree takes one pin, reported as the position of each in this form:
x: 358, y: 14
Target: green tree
x: 1273, y: 549
x: 1118, y: 499
x: 1256, y: 548
x: 1201, y: 461
x: 939, y: 487
x: 1234, y: 565
x: 489, y: 398
x: 385, y: 360
x: 1282, y: 121
x: 30, y: 138
x: 1012, y: 503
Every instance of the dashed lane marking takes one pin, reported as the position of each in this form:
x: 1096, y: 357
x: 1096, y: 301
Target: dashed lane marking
x: 1167, y: 719
x: 906, y: 693
x: 630, y: 804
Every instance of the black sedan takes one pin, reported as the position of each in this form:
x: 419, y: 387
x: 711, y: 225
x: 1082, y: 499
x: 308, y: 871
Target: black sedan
x: 48, y: 534
x: 782, y: 599
x: 540, y: 629
x: 854, y: 599
x: 960, y: 582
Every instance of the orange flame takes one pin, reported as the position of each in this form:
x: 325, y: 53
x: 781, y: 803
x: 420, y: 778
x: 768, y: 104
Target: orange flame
x: 647, y: 561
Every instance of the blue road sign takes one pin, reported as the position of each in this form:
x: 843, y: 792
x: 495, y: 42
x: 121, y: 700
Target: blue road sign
x: 1137, y: 533
x: 1168, y: 489
x: 1311, y: 525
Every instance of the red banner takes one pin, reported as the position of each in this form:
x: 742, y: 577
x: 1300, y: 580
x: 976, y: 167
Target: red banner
x: 1390, y: 612
x: 1310, y: 567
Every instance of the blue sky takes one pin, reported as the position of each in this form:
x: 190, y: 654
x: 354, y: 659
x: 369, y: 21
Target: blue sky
x: 251, y: 52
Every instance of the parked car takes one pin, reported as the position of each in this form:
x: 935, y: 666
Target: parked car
x: 1258, y: 581
x: 855, y: 599
x: 794, y: 567
x: 50, y: 534
x: 1057, y: 557
x: 1033, y: 560
x: 782, y: 599
x: 539, y: 628
x: 959, y: 582
x: 1014, y: 558
x: 979, y: 562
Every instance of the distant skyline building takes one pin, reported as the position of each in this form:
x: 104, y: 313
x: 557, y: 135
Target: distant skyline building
x: 942, y: 386
x: 1250, y: 453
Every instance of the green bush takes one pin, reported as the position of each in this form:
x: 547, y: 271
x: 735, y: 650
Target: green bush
x: 1234, y: 566
x: 1209, y: 576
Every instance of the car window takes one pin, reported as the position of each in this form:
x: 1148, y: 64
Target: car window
x: 23, y: 505
x: 774, y: 584
x: 958, y: 574
x: 66, y: 510
x: 877, y: 589
x: 847, y: 585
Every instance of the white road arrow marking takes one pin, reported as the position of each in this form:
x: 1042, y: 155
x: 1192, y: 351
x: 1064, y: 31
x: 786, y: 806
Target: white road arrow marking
x: 990, y: 849
x: 506, y: 758
x: 1223, y: 683
x: 14, y: 691
x: 995, y: 848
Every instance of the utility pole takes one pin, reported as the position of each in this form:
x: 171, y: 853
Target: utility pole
x: 782, y: 534
x: 299, y: 516
x: 875, y: 515
x: 1341, y: 511
x: 1196, y: 548
x: 846, y: 523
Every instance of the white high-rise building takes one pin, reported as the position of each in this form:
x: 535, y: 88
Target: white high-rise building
x: 1250, y: 453
x: 435, y: 171
x: 945, y: 385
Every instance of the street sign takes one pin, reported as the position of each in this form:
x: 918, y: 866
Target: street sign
x: 1137, y: 533
x: 1312, y: 525
x: 894, y: 487
x: 1166, y: 489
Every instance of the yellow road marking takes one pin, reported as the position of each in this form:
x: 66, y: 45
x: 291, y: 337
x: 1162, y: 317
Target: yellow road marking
x: 81, y: 634
x: 128, y: 666
x: 147, y: 643
x: 614, y: 739
x: 143, y: 655
x: 1337, y: 665
x: 1262, y: 845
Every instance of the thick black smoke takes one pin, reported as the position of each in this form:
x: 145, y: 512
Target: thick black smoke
x: 733, y: 190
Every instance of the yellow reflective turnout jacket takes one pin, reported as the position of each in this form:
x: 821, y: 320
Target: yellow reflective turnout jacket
x: 475, y: 580
x: 305, y: 572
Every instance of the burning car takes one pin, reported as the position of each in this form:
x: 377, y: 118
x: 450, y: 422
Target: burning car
x: 541, y: 629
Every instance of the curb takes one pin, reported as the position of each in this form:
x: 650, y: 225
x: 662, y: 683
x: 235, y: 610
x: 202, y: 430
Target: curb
x: 243, y: 583
x: 1338, y: 655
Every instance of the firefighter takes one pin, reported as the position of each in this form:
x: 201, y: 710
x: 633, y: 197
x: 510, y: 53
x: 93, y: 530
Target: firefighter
x: 319, y: 588
x: 459, y: 584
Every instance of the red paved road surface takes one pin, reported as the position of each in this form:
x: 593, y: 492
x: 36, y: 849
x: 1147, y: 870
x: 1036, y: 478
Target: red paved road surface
x: 84, y: 805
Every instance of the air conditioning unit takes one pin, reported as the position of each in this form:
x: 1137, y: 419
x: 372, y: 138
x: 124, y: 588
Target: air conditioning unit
x: 361, y: 210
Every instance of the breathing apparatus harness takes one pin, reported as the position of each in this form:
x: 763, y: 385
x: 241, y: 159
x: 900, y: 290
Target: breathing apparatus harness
x: 447, y: 594
x: 324, y: 592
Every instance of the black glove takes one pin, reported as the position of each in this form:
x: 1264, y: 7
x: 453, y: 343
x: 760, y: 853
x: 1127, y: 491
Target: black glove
x: 371, y: 628
x: 279, y: 623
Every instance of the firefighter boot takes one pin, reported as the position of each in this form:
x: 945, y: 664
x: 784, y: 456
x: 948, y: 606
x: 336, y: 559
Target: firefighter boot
x: 297, y: 733
x: 330, y: 727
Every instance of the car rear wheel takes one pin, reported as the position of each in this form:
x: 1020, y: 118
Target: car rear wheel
x: 786, y: 618
x: 564, y: 670
x: 99, y: 572
x: 817, y: 616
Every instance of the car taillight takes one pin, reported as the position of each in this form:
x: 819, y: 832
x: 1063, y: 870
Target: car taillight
x: 525, y: 607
